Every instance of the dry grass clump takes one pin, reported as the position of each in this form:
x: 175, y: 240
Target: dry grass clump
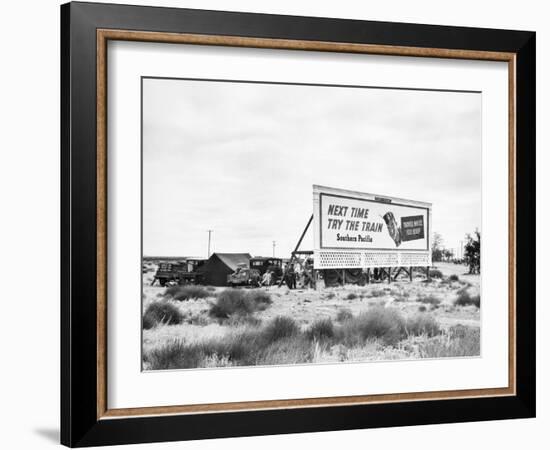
x: 182, y: 293
x: 279, y: 328
x: 435, y: 273
x: 279, y: 342
x: 454, y: 278
x: 161, y: 313
x: 429, y: 299
x: 260, y: 297
x: 422, y: 324
x: 297, y: 350
x: 343, y: 315
x: 465, y: 299
x: 321, y: 329
x: 239, y: 302
x: 377, y: 293
x: 386, y: 324
x: 460, y: 340
x: 351, y: 296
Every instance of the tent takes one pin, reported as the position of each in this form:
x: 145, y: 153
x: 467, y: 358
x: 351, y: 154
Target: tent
x: 214, y: 272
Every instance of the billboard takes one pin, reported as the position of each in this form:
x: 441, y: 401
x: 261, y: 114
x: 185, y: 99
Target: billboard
x: 361, y: 226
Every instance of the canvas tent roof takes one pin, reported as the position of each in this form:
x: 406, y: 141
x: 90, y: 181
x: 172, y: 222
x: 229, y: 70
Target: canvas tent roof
x: 232, y: 260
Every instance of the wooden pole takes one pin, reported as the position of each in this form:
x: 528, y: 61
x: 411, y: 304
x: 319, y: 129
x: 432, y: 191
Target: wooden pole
x: 315, y: 278
x: 410, y: 273
x: 368, y: 275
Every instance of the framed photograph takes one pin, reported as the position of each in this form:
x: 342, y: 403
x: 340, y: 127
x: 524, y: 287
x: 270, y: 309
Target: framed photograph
x: 277, y: 224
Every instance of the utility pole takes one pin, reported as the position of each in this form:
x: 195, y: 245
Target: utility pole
x: 209, y: 238
x: 274, y: 248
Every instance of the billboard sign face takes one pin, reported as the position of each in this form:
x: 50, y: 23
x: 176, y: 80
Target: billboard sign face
x: 354, y: 221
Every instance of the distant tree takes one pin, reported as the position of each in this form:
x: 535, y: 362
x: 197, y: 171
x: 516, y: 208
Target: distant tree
x: 437, y: 247
x: 447, y: 254
x: 472, y: 251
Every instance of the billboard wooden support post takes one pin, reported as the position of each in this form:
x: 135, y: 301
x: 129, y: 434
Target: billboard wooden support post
x: 410, y: 273
x: 428, y: 277
x: 315, y: 278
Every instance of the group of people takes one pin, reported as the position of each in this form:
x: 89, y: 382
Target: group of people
x: 301, y: 274
x: 294, y: 275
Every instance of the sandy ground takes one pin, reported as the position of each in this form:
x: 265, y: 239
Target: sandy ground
x: 308, y: 305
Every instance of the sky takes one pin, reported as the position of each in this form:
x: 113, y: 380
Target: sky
x: 240, y: 159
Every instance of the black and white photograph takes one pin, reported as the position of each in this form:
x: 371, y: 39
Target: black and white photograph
x: 289, y: 224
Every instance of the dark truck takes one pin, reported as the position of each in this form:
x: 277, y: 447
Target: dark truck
x: 180, y: 272
x: 263, y: 264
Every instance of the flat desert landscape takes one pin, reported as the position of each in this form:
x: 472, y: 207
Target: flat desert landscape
x: 196, y: 326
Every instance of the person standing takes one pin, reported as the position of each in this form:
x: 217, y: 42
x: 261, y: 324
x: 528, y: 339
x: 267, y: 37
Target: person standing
x: 266, y: 279
x: 291, y: 277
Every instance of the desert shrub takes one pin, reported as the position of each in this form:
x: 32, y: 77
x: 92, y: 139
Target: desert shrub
x: 331, y: 295
x: 459, y: 341
x: 351, y: 296
x: 260, y: 298
x: 182, y: 293
x: 465, y: 299
x: 382, y: 323
x: 161, y: 312
x: 435, y: 273
x: 422, y: 308
x: 429, y: 299
x: 458, y: 331
x: 247, y: 320
x: 293, y: 350
x: 377, y: 293
x: 401, y: 296
x: 238, y: 302
x: 321, y: 329
x: 173, y: 355
x: 343, y: 315
x: 210, y: 288
x: 421, y: 324
x: 279, y: 328
x: 230, y: 302
x: 196, y: 319
x: 454, y: 278
x: 280, y: 342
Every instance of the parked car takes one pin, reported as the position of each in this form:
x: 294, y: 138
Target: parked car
x: 244, y: 276
x: 263, y: 264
